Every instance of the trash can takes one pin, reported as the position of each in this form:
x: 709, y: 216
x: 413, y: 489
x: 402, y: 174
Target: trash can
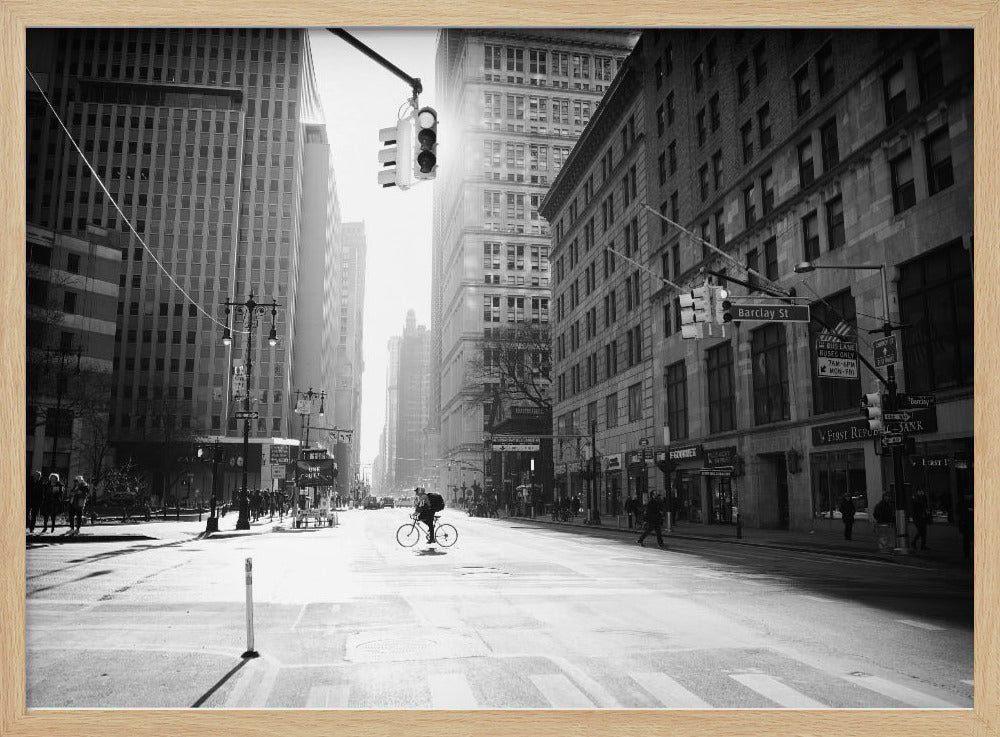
x: 883, y: 537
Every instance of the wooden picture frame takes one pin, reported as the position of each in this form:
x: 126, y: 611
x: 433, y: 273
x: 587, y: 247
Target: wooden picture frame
x: 981, y: 721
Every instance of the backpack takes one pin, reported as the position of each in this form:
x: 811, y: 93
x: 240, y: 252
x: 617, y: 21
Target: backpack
x: 435, y: 501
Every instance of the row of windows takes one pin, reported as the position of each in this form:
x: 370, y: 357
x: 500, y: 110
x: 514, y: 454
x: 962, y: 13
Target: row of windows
x: 515, y: 252
x: 541, y: 62
x: 538, y: 309
x: 588, y: 372
x: 569, y: 423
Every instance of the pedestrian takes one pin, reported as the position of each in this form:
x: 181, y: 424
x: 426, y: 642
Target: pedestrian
x: 847, y: 512
x: 52, y: 501
x: 76, y: 501
x: 884, y: 511
x: 920, y: 513
x: 654, y: 519
x: 576, y: 506
x: 966, y: 525
x: 630, y: 510
x: 35, y: 492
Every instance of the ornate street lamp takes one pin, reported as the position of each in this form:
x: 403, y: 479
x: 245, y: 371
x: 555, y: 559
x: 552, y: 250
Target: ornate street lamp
x: 251, y: 312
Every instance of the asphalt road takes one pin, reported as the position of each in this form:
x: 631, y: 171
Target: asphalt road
x: 513, y: 616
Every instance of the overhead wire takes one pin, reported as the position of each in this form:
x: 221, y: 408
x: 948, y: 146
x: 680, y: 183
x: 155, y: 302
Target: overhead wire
x: 118, y: 209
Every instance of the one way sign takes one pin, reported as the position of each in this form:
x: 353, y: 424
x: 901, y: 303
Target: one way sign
x: 885, y: 351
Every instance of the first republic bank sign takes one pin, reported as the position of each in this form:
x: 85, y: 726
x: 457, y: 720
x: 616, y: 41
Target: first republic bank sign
x: 922, y: 421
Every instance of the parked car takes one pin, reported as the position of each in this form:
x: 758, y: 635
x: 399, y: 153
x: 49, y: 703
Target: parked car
x: 388, y: 501
x: 372, y: 503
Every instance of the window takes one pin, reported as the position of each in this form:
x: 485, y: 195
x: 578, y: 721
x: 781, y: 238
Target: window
x: 634, y: 345
x: 766, y: 192
x: 930, y: 71
x: 703, y: 182
x: 936, y: 309
x: 824, y: 66
x: 759, y: 62
x: 749, y: 207
x: 662, y: 167
x: 660, y: 121
x: 904, y: 195
x: 73, y: 263
x: 743, y: 80
x: 670, y: 108
x: 833, y: 316
x: 746, y: 138
x: 700, y: 123
x: 803, y: 100
x: 752, y: 262
x: 771, y: 258
x: 720, y: 229
x: 69, y: 303
x: 721, y: 397
x: 810, y: 235
x: 611, y: 410
x: 895, y: 94
x: 806, y: 173
x: 635, y: 402
x: 675, y: 382
x: 672, y: 157
x: 699, y: 74
x: 835, y: 223
x: 715, y: 118
x: 716, y: 169
x: 764, y: 125
x: 768, y: 357
x: 828, y: 140
x: 937, y: 148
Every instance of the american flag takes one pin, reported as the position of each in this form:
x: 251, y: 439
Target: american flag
x: 841, y: 332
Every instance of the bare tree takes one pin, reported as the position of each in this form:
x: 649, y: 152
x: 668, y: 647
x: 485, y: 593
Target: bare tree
x: 514, y: 367
x: 92, y: 446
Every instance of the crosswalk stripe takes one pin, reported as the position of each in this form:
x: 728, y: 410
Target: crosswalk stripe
x: 328, y: 697
x: 560, y: 692
x: 921, y: 625
x: 901, y: 693
x: 776, y: 691
x: 451, y: 691
x: 669, y: 692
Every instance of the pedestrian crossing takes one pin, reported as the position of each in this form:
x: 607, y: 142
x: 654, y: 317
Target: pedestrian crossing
x: 542, y: 683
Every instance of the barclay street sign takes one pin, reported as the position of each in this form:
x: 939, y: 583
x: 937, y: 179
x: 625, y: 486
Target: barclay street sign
x: 770, y: 313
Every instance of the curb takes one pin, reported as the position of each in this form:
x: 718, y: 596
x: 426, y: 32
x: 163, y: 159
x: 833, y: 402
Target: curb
x: 913, y: 561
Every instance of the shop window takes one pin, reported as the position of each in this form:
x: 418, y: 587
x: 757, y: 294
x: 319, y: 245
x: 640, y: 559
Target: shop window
x: 835, y: 475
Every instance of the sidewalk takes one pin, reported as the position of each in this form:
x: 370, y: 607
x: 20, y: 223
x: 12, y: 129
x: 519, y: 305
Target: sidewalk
x: 156, y: 529
x: 944, y: 541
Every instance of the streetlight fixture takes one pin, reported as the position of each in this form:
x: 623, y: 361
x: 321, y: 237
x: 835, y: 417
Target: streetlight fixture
x: 899, y: 500
x: 251, y: 311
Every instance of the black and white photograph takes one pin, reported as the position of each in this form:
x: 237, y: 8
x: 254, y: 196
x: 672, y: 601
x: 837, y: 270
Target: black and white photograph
x: 500, y: 368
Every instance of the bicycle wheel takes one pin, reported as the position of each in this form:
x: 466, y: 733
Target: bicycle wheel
x: 445, y: 535
x: 408, y: 535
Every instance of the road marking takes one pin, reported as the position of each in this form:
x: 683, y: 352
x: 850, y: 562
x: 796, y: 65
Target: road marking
x: 669, y: 692
x: 921, y: 625
x: 328, y: 697
x: 776, y: 691
x: 451, y: 691
x: 298, y: 619
x: 560, y: 692
x: 901, y: 693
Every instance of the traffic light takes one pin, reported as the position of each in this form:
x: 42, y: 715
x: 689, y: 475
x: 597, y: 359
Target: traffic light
x: 871, y: 408
x: 720, y: 305
x: 398, y: 141
x: 695, y: 311
x: 425, y: 165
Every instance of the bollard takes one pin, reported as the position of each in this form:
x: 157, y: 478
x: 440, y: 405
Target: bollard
x: 250, y: 653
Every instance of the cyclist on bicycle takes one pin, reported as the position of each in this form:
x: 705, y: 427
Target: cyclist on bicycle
x: 425, y: 513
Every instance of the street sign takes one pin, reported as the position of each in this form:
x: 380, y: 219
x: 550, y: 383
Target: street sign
x: 897, y: 416
x: 247, y: 414
x: 837, y: 359
x: 885, y: 351
x: 770, y: 313
x: 516, y: 444
x: 889, y: 441
x: 915, y: 401
x: 279, y: 453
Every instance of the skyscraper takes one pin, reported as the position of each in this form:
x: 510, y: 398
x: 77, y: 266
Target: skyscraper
x: 198, y: 136
x: 512, y: 103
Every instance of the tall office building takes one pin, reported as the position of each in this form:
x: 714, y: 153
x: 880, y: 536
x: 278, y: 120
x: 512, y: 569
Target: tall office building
x: 199, y: 136
x: 827, y: 157
x: 512, y: 103
x: 349, y: 356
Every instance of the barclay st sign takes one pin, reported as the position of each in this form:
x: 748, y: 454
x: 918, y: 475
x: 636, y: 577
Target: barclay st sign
x: 770, y: 313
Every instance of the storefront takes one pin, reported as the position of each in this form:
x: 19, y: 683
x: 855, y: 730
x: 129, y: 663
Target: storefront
x: 944, y: 469
x: 685, y: 486
x: 638, y: 478
x: 718, y: 472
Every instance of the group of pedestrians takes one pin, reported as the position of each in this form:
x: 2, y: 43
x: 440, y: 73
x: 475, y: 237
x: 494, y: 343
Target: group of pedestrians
x: 920, y: 514
x: 50, y: 497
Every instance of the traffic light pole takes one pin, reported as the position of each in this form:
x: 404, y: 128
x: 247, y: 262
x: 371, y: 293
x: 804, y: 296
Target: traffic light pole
x: 414, y: 82
x: 899, y: 497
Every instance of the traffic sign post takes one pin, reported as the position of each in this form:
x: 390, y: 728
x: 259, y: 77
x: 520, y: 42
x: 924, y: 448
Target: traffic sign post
x: 837, y: 359
x: 247, y: 414
x: 885, y: 351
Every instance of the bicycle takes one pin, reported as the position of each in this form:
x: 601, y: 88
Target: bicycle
x: 411, y: 533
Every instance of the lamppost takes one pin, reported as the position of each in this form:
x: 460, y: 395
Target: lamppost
x: 303, y: 406
x: 251, y: 311
x: 63, y: 353
x: 900, y: 501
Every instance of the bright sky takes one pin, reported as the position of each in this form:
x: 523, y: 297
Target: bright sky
x: 360, y: 97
